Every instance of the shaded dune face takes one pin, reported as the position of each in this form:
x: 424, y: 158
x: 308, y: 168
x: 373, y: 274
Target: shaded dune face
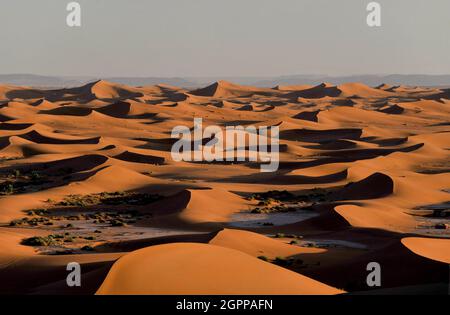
x: 376, y: 185
x: 310, y: 116
x: 318, y: 136
x: 394, y: 109
x: 318, y: 91
x: 363, y: 176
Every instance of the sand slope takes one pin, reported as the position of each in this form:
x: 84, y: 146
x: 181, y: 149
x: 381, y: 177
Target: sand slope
x: 203, y: 269
x: 436, y: 249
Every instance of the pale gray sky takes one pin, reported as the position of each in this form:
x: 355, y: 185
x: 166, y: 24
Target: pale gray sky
x: 224, y: 38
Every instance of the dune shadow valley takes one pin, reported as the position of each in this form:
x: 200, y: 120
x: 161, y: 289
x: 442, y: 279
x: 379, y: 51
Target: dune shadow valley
x: 87, y: 175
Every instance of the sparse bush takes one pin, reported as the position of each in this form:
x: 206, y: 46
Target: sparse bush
x: 116, y: 198
x: 7, y: 188
x: 39, y: 241
x: 116, y: 223
x: 440, y: 226
x: 32, y: 222
x: 280, y: 261
x: 35, y: 175
x: 39, y: 212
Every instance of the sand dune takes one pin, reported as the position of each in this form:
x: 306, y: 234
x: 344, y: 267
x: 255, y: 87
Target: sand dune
x: 436, y: 249
x: 310, y: 116
x: 258, y: 245
x: 363, y: 176
x: 154, y: 270
x: 319, y: 91
x: 107, y: 90
x: 394, y: 109
x: 224, y: 89
x: 204, y: 206
x: 361, y: 91
x: 375, y: 186
x: 351, y: 90
x: 68, y: 111
x: 139, y: 158
x: 40, y: 137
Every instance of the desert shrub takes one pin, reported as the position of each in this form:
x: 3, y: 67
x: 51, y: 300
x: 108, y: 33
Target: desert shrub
x: 39, y: 212
x: 35, y: 175
x: 39, y: 241
x: 281, y: 261
x: 116, y: 198
x: 440, y: 226
x: 116, y: 223
x: 16, y: 222
x: 273, y: 195
x: 32, y: 222
x: 7, y: 188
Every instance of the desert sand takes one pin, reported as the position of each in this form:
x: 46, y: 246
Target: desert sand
x: 86, y: 175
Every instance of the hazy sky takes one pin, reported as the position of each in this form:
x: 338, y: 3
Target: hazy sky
x: 224, y: 38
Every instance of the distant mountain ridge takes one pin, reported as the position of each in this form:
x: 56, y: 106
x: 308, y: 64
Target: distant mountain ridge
x: 194, y: 82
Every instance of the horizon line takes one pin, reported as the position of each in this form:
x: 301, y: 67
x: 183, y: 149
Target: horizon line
x: 222, y: 76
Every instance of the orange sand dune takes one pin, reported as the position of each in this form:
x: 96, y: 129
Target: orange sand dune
x: 432, y: 248
x: 258, y: 245
x: 224, y: 89
x: 293, y: 87
x: 107, y: 90
x: 436, y: 249
x: 363, y: 176
x: 319, y: 91
x: 354, y: 90
x: 361, y: 90
x: 10, y: 92
x: 202, y: 206
x: 206, y: 269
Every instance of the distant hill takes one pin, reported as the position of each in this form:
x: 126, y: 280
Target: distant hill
x: 371, y: 80
x: 194, y: 82
x: 41, y: 80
